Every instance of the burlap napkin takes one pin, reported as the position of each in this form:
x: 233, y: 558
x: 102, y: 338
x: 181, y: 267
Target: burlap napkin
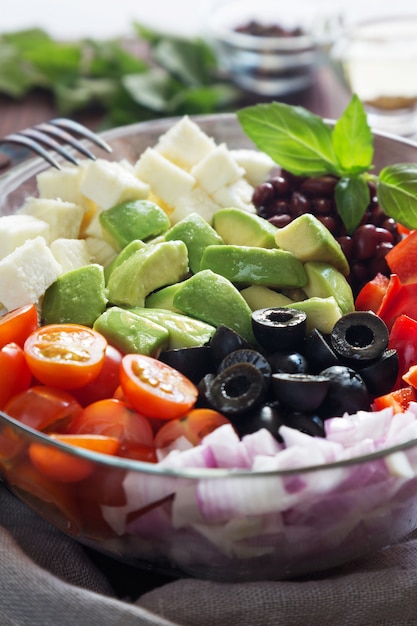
x: 47, y: 579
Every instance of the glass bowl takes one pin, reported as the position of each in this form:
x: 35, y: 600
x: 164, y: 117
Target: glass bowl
x: 218, y: 524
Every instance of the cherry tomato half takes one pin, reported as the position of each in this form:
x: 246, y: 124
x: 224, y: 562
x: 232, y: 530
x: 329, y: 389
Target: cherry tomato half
x: 15, y: 373
x: 44, y: 408
x: 66, y: 356
x: 16, y: 325
x: 65, y: 467
x: 114, y: 418
x: 106, y: 383
x: 156, y: 389
x: 195, y: 425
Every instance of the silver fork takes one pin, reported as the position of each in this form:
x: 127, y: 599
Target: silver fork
x: 51, y: 133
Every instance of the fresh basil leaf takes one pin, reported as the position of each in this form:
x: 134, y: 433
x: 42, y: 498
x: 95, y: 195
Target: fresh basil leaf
x: 397, y: 193
x: 153, y: 89
x: 191, y: 61
x: 294, y: 138
x: 15, y: 79
x: 352, y: 198
x: 352, y: 139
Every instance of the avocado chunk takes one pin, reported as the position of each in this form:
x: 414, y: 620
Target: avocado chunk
x: 309, y: 240
x: 137, y: 219
x: 197, y: 234
x: 259, y: 297
x: 213, y: 299
x: 324, y: 281
x: 148, y: 269
x: 322, y: 313
x: 163, y: 298
x: 184, y: 331
x: 244, y: 265
x: 240, y: 228
x: 131, y: 248
x: 76, y: 297
x: 132, y: 333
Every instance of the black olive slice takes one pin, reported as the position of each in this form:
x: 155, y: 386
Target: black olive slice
x: 318, y: 351
x: 279, y: 328
x: 308, y: 423
x: 290, y: 362
x: 301, y: 392
x: 359, y: 336
x: 268, y: 416
x: 194, y: 362
x: 381, y: 375
x: 224, y: 341
x: 236, y: 389
x: 253, y: 357
x: 347, y: 392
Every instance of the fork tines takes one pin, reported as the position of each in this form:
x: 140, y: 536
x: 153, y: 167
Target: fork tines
x: 51, y: 133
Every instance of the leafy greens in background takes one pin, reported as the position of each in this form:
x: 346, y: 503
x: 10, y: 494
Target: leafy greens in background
x: 175, y: 78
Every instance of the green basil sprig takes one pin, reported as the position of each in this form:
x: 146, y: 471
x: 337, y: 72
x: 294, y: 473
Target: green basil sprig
x: 306, y: 145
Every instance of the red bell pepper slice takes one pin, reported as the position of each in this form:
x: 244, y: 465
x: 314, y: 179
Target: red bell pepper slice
x: 370, y: 296
x: 403, y: 338
x: 398, y: 400
x: 402, y: 258
x: 399, y: 299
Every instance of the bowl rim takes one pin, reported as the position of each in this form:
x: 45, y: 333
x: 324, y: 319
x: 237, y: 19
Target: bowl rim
x: 12, y: 178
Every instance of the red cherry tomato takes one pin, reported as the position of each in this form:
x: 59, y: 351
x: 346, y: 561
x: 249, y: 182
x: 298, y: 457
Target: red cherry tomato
x: 15, y: 374
x: 195, y: 425
x: 114, y: 418
x: 106, y: 383
x: 65, y: 355
x: 16, y: 325
x: 156, y: 389
x: 44, y: 408
x: 65, y: 467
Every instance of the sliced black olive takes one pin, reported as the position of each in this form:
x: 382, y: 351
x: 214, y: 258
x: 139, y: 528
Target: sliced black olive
x: 236, y: 389
x: 359, y: 336
x: 381, y: 375
x: 308, y: 423
x: 290, y: 362
x: 267, y: 416
x: 318, y: 351
x: 300, y: 392
x: 224, y: 341
x: 279, y: 328
x: 194, y: 362
x: 253, y: 357
x: 347, y: 392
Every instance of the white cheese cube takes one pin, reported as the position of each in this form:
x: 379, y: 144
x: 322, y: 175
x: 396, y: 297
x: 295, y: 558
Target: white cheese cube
x: 217, y: 170
x: 257, y: 165
x: 94, y: 228
x: 185, y: 144
x: 100, y: 251
x: 237, y: 195
x: 166, y: 180
x: 109, y: 183
x: 70, y: 253
x: 16, y: 229
x: 26, y: 273
x: 64, y: 183
x: 64, y: 218
x: 197, y: 201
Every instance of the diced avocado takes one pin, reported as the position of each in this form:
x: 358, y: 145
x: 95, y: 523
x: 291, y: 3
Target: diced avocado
x: 259, y: 297
x: 132, y: 333
x: 212, y: 298
x: 76, y: 297
x: 163, y: 298
x: 309, y: 240
x: 324, y: 281
x: 155, y: 266
x: 184, y: 331
x: 138, y: 219
x: 255, y: 266
x: 197, y: 234
x: 241, y: 228
x: 322, y: 313
x: 131, y: 248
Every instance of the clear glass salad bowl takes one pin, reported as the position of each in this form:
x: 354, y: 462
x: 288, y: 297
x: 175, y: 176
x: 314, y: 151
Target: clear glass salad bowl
x: 221, y: 524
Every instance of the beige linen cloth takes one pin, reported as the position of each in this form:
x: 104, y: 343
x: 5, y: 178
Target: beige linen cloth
x: 48, y: 579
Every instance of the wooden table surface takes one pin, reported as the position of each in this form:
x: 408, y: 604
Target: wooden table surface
x: 325, y: 97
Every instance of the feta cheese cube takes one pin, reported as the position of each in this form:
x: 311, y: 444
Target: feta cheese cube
x: 16, y: 229
x: 109, y: 183
x: 185, y: 144
x: 217, y: 170
x: 70, y: 253
x: 64, y: 218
